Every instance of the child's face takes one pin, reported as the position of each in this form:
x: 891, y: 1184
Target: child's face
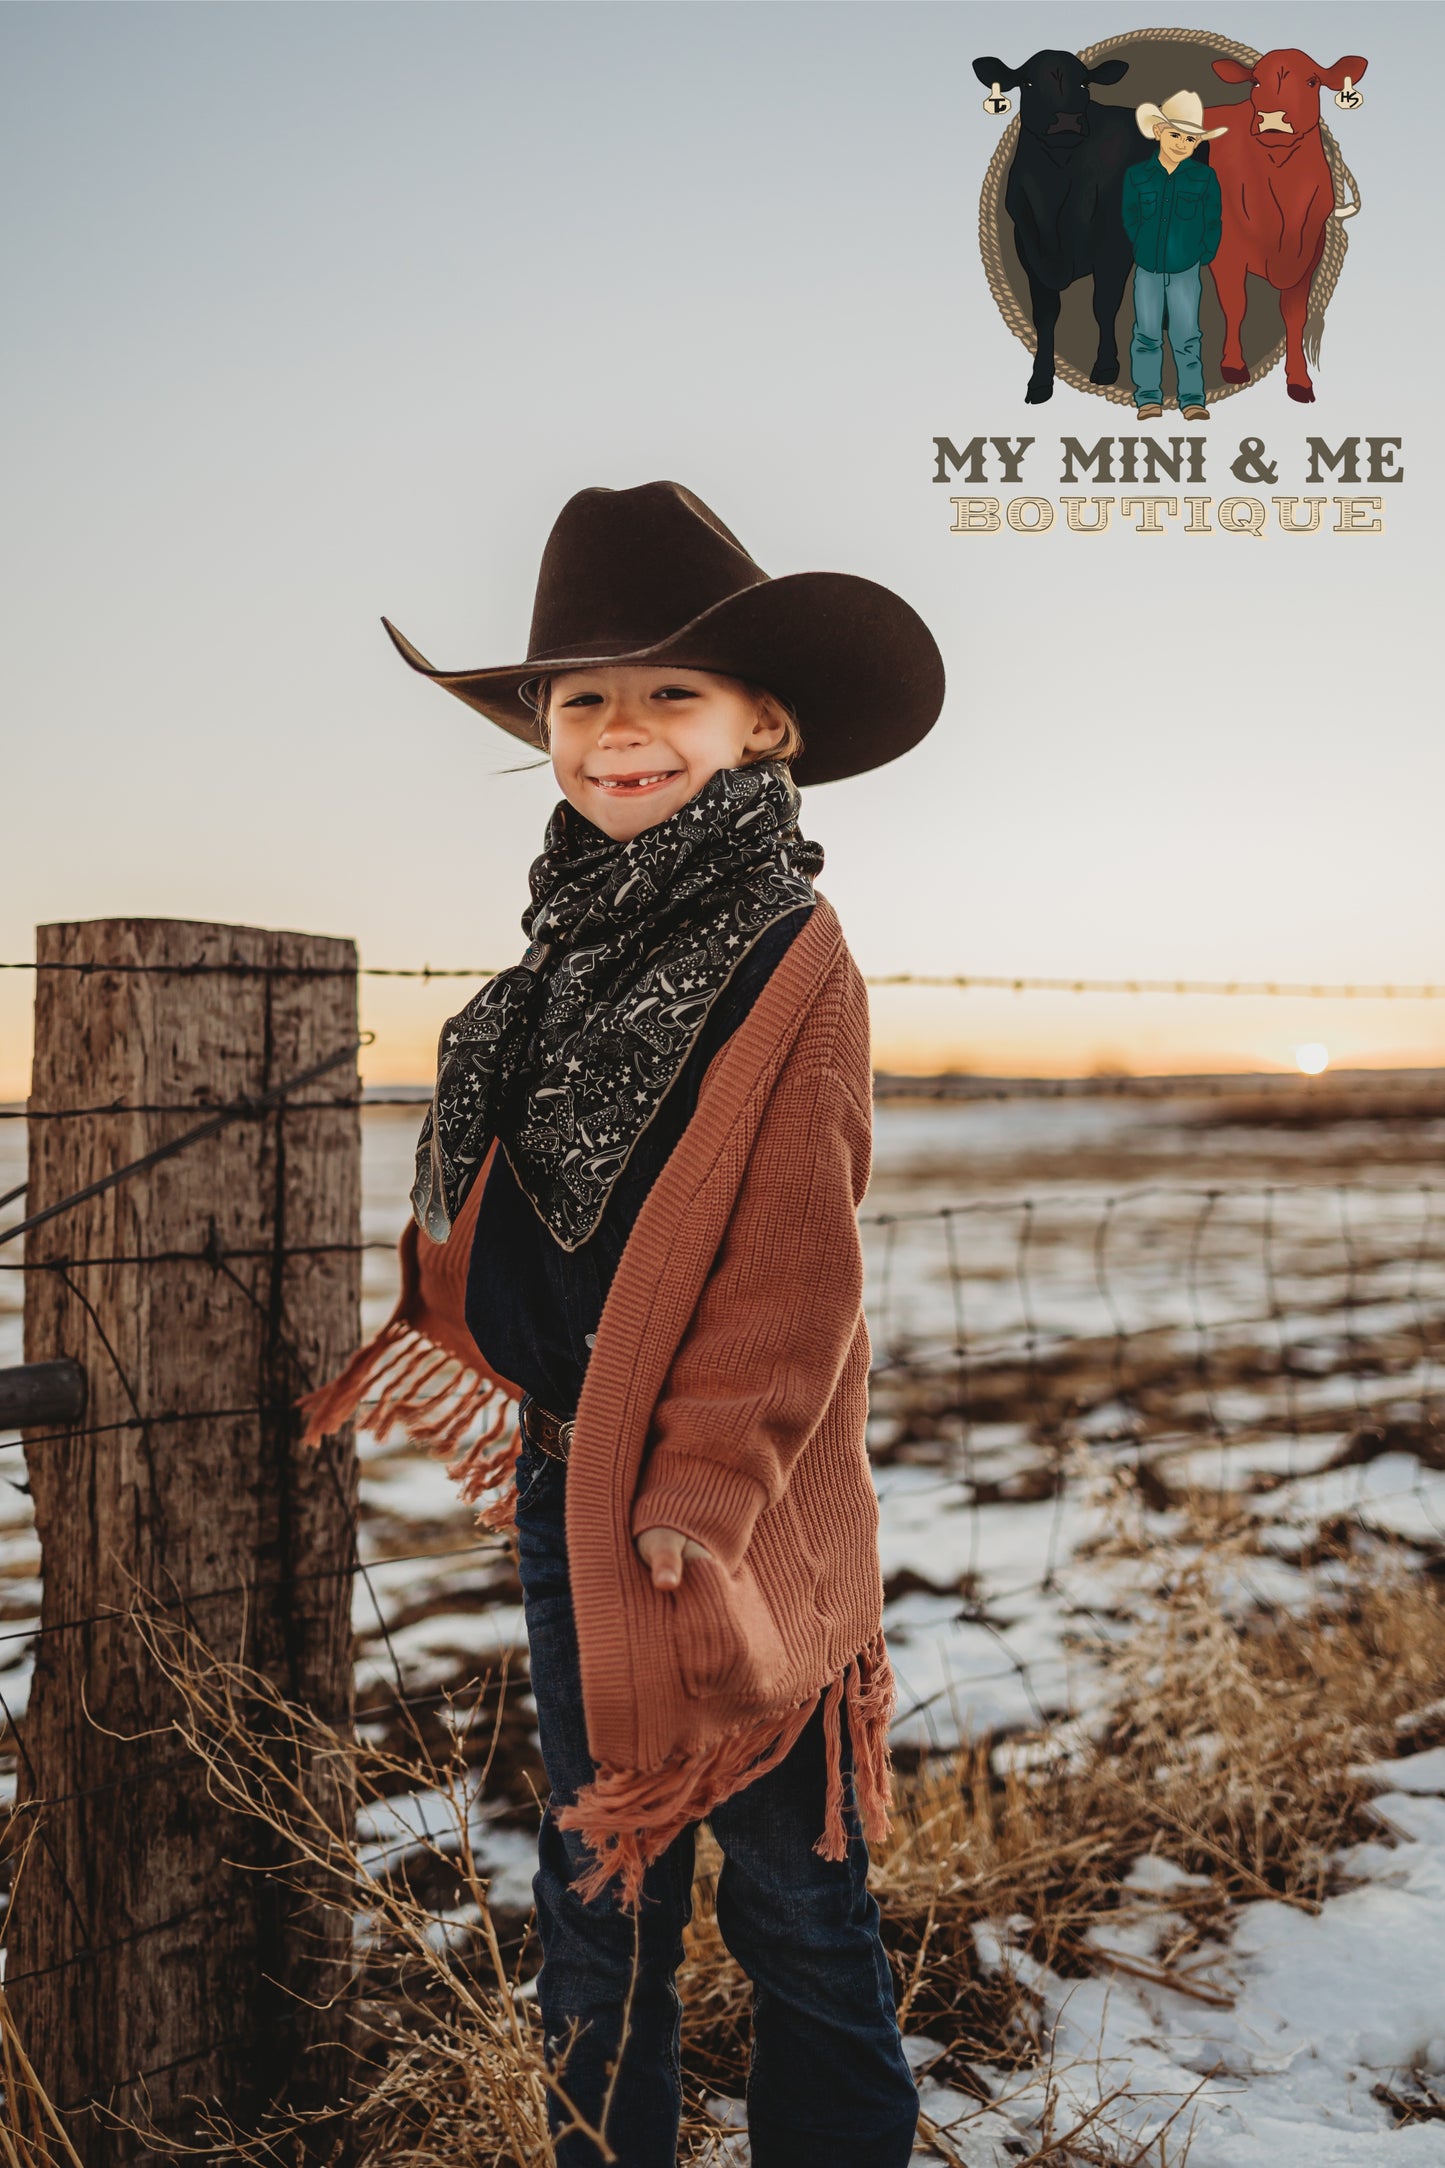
x: 1175, y: 144
x: 630, y: 747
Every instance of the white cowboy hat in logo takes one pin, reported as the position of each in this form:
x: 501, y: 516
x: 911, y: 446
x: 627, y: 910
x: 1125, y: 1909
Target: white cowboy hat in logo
x: 1185, y: 110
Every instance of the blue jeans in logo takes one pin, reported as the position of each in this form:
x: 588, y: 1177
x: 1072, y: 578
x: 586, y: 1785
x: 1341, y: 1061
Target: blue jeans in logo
x: 828, y: 2085
x: 1146, y: 349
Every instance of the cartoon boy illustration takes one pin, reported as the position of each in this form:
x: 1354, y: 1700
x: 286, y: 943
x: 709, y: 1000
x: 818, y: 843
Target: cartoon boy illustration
x: 1172, y: 216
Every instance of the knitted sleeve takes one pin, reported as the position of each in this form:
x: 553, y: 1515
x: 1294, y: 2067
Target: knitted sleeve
x: 763, y: 1352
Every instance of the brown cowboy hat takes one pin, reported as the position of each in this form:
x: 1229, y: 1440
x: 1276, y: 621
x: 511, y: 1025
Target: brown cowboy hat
x: 650, y: 575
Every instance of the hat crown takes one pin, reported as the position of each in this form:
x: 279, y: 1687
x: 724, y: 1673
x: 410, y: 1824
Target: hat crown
x: 1186, y: 107
x: 624, y: 568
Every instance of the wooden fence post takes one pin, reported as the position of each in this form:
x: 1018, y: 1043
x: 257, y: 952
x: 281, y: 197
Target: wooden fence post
x: 149, y: 1966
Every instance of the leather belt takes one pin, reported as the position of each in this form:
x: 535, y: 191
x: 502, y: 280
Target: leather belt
x: 551, y: 1434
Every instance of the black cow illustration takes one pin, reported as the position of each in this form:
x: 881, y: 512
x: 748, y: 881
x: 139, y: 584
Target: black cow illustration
x: 1064, y: 194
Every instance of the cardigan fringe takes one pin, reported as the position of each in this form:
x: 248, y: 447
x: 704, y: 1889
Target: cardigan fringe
x: 398, y: 1367
x: 424, y: 1373
x: 628, y: 1818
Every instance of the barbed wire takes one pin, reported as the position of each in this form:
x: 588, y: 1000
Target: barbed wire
x: 1012, y: 983
x: 199, y: 968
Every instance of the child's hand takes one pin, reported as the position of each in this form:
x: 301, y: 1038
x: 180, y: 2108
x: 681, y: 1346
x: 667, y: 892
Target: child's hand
x: 663, y: 1551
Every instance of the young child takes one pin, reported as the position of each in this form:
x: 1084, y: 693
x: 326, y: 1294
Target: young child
x: 1173, y: 216
x: 658, y: 1124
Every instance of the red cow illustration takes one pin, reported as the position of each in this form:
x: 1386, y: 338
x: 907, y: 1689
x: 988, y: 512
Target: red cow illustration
x: 1278, y: 193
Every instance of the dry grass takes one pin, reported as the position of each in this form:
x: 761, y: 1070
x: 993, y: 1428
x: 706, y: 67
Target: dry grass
x: 31, y: 2132
x: 1414, y: 2099
x: 1228, y: 1754
x: 451, y: 2071
x: 1227, y: 1751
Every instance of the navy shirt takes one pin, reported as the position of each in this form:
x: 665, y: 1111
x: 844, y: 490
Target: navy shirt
x: 532, y: 1306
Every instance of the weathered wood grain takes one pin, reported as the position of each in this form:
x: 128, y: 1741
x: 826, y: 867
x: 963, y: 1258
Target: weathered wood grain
x: 149, y: 1964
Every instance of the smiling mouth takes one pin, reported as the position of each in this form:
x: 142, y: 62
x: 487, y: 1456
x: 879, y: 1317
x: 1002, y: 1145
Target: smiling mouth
x: 633, y: 786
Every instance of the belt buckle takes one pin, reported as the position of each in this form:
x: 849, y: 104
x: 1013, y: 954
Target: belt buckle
x: 548, y: 1432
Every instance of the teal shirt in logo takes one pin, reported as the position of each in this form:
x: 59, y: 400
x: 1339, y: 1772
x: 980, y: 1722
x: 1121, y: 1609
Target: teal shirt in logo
x: 1173, y: 219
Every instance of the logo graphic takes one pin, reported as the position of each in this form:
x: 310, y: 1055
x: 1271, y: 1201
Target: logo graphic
x: 1090, y: 205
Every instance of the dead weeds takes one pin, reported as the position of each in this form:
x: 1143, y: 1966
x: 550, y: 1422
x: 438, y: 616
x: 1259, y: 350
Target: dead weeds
x: 1225, y: 1754
x: 1222, y: 1753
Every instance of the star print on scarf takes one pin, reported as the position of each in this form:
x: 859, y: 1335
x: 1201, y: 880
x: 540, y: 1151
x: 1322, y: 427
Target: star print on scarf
x: 566, y: 1056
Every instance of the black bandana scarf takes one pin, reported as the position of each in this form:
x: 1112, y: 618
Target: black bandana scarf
x: 567, y: 1055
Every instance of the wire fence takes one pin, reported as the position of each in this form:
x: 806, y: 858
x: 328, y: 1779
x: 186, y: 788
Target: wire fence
x: 1243, y: 1341
x: 1009, y: 983
x: 1272, y: 1347
x: 1262, y: 1357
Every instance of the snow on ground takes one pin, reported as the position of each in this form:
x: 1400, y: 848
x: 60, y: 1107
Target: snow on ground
x: 394, y: 1830
x: 1393, y: 1494
x: 428, y: 1650
x: 1065, y: 1219
x: 998, y: 1660
x: 1322, y: 2009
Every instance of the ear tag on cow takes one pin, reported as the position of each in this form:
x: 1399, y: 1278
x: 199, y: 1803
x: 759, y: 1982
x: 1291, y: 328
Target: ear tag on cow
x: 1349, y: 100
x: 996, y: 103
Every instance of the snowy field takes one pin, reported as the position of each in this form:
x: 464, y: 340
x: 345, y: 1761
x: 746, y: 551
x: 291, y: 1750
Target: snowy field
x: 1072, y: 1303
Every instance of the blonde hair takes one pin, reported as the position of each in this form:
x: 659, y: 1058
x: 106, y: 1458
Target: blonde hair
x: 771, y: 707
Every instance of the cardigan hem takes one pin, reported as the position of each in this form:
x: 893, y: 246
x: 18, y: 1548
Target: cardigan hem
x: 627, y: 1818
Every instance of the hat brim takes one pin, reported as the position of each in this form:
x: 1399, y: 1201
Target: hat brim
x: 855, y: 661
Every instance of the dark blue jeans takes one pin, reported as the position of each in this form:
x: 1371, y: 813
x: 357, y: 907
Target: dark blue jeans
x: 828, y: 2085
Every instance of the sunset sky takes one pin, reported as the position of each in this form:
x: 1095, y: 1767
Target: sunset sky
x: 319, y: 312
